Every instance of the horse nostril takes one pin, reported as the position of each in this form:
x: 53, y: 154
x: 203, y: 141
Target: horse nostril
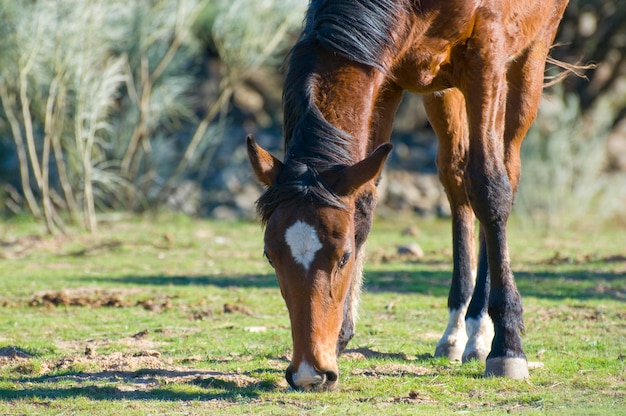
x: 331, y: 376
x: 289, y: 378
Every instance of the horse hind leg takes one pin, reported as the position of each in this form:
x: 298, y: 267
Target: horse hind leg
x: 447, y: 115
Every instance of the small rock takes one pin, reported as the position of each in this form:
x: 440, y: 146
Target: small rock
x: 141, y: 334
x: 412, y: 249
x: 411, y: 231
x: 90, y: 351
x: 254, y: 329
x: 231, y: 308
x: 201, y: 315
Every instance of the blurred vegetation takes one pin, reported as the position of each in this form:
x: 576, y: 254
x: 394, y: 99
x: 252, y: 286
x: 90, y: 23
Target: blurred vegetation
x: 119, y: 105
x: 569, y: 171
x: 94, y: 94
x: 102, y: 101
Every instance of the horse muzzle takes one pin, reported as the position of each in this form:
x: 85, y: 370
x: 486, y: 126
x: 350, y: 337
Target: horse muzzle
x: 308, y: 378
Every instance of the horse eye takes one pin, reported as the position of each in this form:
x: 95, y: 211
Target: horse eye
x: 344, y: 259
x: 268, y: 258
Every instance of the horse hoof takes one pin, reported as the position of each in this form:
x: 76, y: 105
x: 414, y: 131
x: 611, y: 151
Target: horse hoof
x: 514, y: 368
x: 476, y: 354
x: 450, y: 351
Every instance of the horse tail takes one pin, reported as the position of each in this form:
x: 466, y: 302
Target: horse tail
x: 566, y: 69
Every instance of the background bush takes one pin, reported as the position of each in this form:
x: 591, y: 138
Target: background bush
x: 133, y: 105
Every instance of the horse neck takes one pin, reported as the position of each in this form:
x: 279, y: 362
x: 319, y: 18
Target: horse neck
x: 345, y: 94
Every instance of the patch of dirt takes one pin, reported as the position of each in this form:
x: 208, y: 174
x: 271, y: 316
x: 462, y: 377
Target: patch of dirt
x: 232, y: 308
x: 4, y: 303
x: 392, y: 369
x: 129, y: 372
x: 12, y: 354
x: 138, y: 344
x: 386, y: 370
x: 18, y: 248
x: 558, y: 258
x: 96, y: 248
x: 156, y: 304
x: 201, y: 315
x: 408, y: 253
x: 415, y: 397
x: 21, y: 247
x: 114, y: 362
x: 97, y: 298
x: 79, y: 297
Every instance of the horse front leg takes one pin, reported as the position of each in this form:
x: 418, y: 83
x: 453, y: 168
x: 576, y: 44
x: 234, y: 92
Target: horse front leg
x: 491, y: 196
x: 525, y: 84
x: 490, y: 193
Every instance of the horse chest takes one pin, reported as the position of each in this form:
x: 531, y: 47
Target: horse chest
x: 425, y: 71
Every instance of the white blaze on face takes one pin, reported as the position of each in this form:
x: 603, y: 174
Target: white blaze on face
x: 303, y: 243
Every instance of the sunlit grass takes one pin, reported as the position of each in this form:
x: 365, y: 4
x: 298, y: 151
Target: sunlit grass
x: 174, y: 347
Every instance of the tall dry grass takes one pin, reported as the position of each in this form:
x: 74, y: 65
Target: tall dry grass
x: 98, y: 96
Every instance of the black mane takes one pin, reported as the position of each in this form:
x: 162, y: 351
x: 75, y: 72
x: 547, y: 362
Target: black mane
x: 360, y: 31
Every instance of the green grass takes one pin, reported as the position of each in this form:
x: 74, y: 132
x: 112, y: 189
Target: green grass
x: 166, y: 342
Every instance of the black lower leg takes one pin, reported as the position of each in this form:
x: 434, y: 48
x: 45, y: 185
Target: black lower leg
x: 506, y: 310
x: 462, y: 284
x: 478, y: 304
x: 505, y: 304
x: 491, y: 196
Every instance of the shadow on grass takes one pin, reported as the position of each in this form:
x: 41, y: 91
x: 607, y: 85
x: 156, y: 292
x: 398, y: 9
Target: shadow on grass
x: 246, y: 280
x: 147, y: 384
x: 368, y: 353
x: 580, y: 285
x: 200, y: 385
x: 576, y: 284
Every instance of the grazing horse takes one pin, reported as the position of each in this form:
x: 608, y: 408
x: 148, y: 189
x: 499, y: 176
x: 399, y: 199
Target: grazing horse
x: 481, y: 67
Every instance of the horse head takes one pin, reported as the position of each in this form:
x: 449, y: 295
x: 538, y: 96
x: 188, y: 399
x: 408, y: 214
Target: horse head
x: 310, y: 242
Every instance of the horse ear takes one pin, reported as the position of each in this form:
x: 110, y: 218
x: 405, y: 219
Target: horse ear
x: 265, y: 166
x: 349, y: 179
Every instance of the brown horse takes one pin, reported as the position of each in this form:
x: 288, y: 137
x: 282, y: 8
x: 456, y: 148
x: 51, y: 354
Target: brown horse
x: 481, y: 67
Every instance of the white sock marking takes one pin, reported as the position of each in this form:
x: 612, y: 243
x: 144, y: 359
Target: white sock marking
x: 303, y: 243
x: 454, y: 338
x: 480, y: 333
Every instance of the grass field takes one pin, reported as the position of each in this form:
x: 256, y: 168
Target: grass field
x: 171, y: 315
